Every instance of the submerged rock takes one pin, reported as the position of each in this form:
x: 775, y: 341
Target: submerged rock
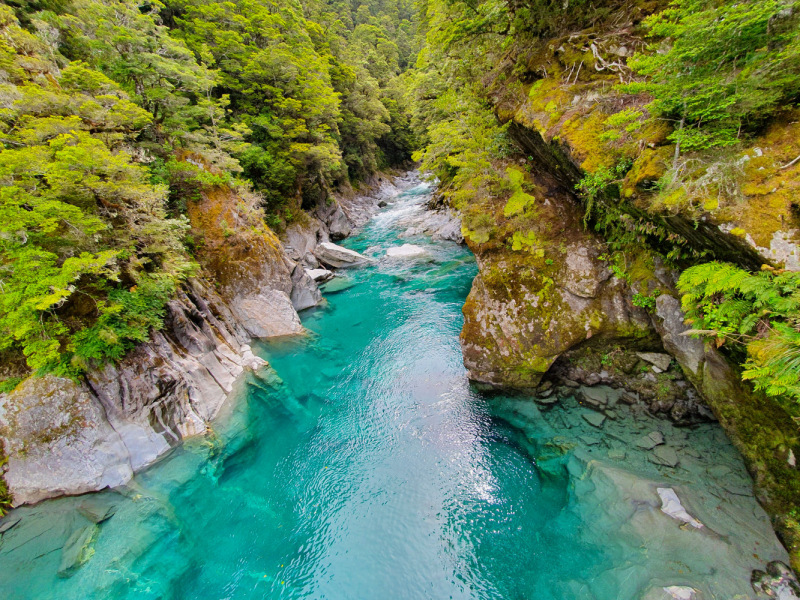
x: 671, y: 506
x: 651, y: 440
x: 406, y: 251
x: 337, y: 284
x: 673, y: 592
x: 594, y: 419
x: 338, y: 257
x: 78, y: 550
x: 664, y: 455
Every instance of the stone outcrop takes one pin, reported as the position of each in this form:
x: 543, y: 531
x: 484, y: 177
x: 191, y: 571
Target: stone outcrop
x: 63, y: 437
x: 58, y: 441
x: 246, y: 261
x: 525, y: 310
x: 338, y: 257
x: 442, y: 224
x: 305, y: 292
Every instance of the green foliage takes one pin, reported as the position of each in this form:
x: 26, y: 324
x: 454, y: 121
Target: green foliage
x: 77, y: 216
x: 593, y: 185
x: 9, y: 384
x: 758, y: 310
x: 645, y: 301
x: 719, y: 68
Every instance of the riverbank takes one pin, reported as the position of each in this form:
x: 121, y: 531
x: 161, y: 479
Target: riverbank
x: 363, y: 464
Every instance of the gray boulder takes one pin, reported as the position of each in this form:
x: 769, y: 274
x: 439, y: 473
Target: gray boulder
x: 267, y: 314
x: 659, y: 360
x: 305, y: 293
x: 58, y: 441
x: 338, y: 257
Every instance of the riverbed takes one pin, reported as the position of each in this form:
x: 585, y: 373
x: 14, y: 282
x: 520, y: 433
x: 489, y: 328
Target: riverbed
x: 363, y: 465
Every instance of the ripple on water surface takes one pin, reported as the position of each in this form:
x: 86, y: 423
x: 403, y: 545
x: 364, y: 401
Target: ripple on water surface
x: 365, y: 467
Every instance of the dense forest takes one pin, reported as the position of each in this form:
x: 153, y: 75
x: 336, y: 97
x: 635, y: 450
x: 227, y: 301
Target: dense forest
x: 117, y: 113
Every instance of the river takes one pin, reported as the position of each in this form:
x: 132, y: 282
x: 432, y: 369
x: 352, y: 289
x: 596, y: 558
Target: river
x: 366, y: 467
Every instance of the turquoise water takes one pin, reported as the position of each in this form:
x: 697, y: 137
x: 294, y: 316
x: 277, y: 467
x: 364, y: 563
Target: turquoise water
x: 365, y: 467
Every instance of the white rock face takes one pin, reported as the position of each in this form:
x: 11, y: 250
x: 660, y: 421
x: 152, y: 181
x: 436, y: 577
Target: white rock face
x: 338, y: 257
x: 406, y: 251
x: 59, y: 442
x: 305, y: 292
x: 67, y: 438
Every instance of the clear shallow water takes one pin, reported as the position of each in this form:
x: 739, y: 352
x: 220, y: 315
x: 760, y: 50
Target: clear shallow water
x: 365, y: 467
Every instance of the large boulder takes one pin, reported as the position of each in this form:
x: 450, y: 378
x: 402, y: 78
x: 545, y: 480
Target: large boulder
x: 300, y: 240
x: 305, y: 292
x: 338, y: 257
x: 267, y: 314
x: 58, y: 441
x: 523, y: 312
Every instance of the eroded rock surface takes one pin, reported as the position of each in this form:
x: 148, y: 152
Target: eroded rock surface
x: 58, y: 441
x: 338, y: 257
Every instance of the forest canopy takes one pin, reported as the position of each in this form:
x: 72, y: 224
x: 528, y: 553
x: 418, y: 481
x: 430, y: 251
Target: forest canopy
x: 116, y: 113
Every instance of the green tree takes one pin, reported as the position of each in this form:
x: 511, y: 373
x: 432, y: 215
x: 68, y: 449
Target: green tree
x: 727, y: 67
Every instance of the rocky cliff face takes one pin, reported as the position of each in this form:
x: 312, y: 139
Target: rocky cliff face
x: 563, y: 315
x: 66, y: 437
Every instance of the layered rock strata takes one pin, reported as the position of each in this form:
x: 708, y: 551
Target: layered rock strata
x: 64, y: 437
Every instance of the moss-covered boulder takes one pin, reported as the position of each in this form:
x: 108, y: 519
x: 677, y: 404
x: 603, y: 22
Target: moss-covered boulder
x: 526, y: 308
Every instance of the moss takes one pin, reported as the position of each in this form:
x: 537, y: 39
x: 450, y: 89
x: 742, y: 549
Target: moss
x: 648, y: 167
x: 583, y: 135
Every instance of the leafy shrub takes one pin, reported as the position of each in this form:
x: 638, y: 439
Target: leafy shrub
x: 760, y: 311
x: 720, y: 68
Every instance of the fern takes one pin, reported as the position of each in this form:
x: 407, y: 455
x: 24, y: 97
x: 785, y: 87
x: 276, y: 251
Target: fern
x: 758, y: 310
